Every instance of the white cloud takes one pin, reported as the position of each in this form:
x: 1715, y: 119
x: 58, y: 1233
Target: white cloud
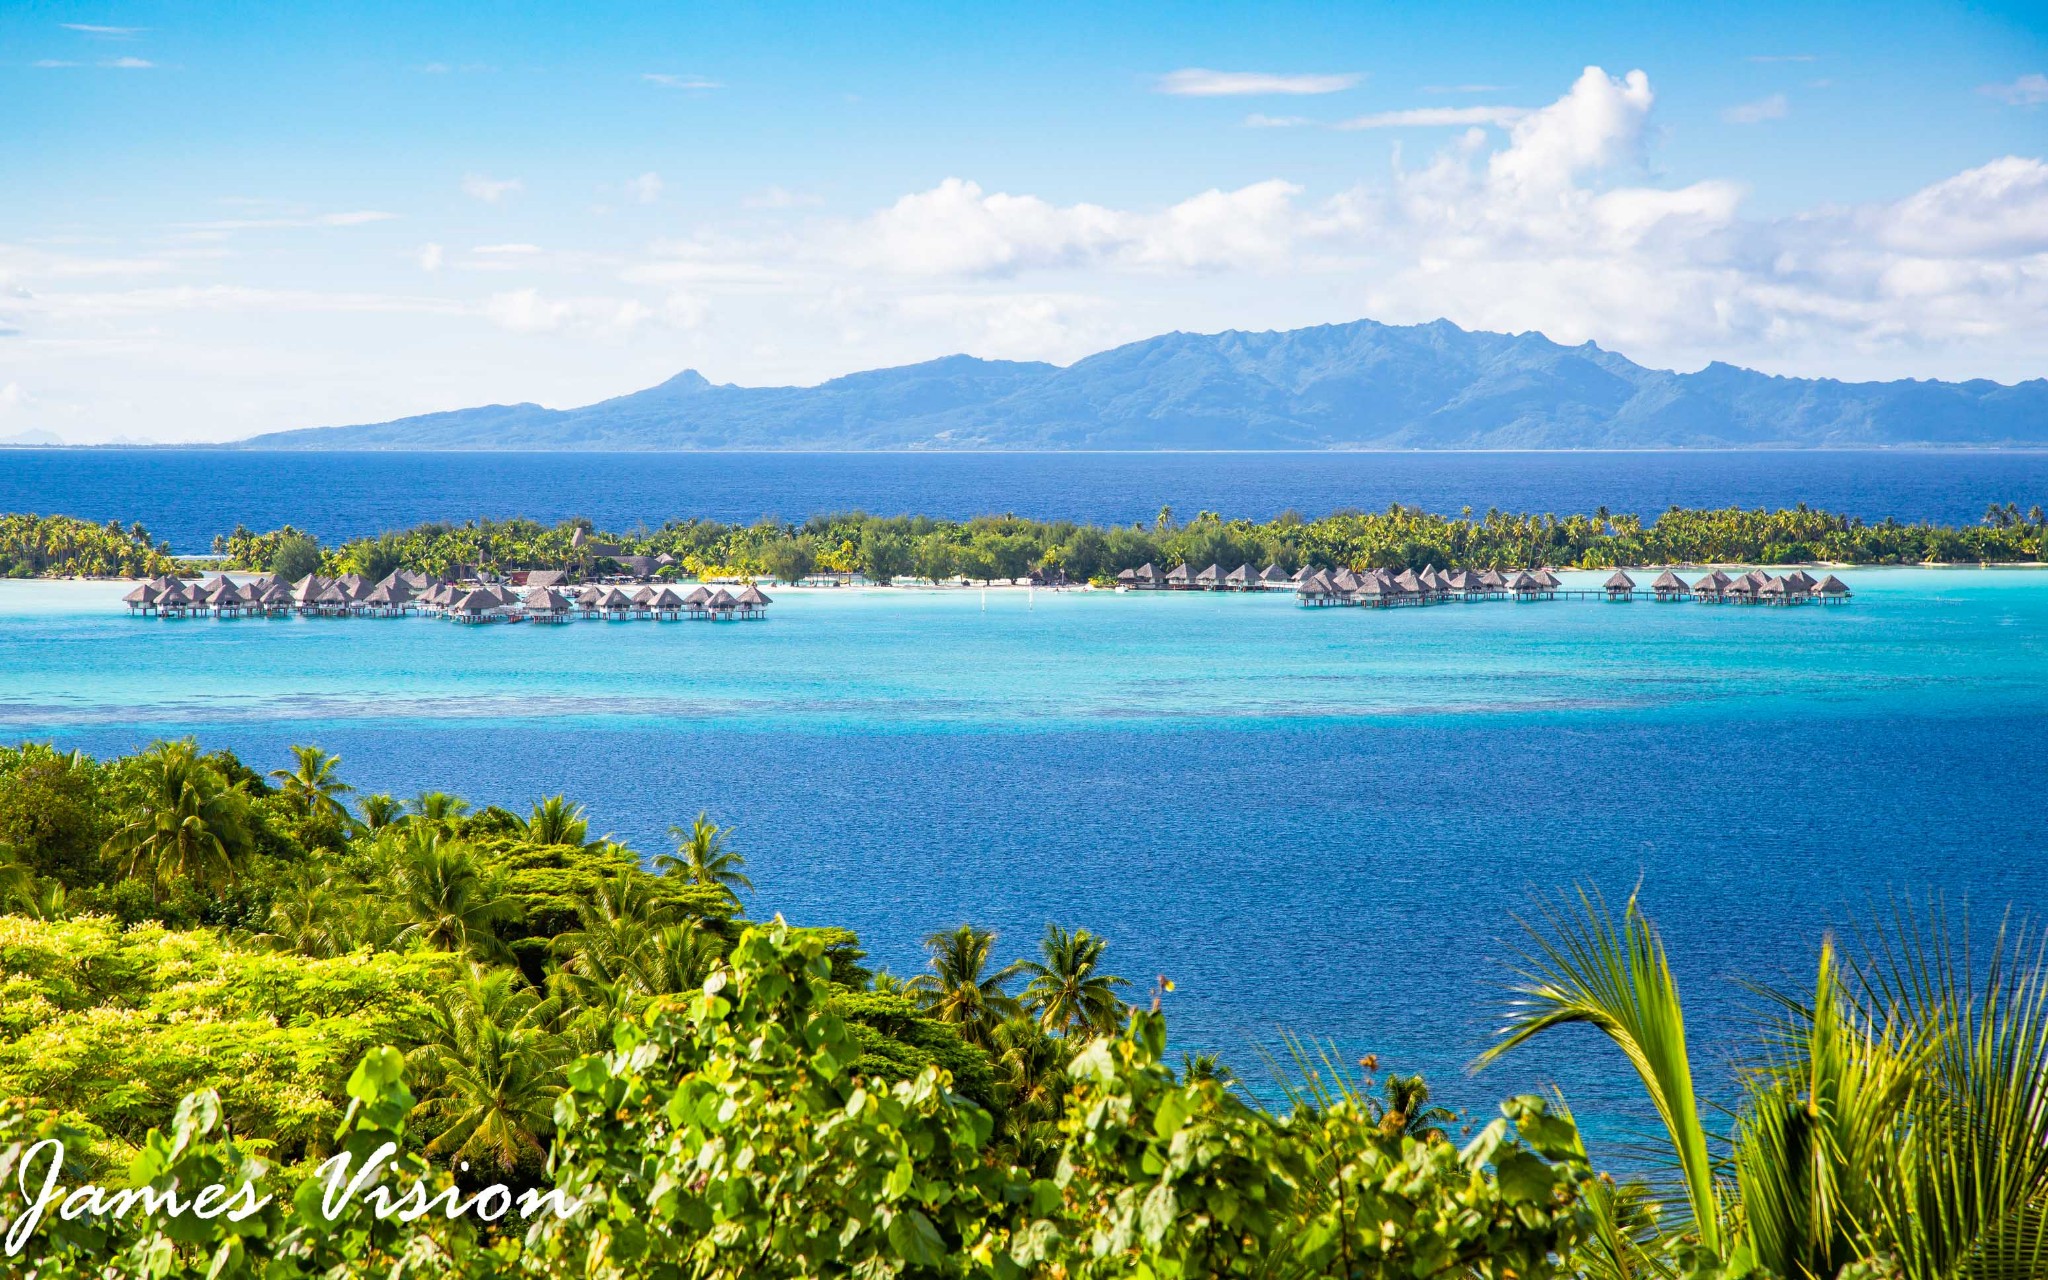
x: 348, y: 218
x: 1463, y: 88
x: 117, y: 33
x: 128, y: 64
x: 775, y: 197
x: 430, y: 257
x: 1598, y: 123
x: 1772, y: 108
x: 645, y: 189
x: 513, y: 249
x: 1429, y: 117
x: 12, y: 397
x: 1199, y: 82
x: 490, y: 190
x: 958, y: 229
x: 668, y: 81
x: 2029, y: 90
x: 1260, y: 120
x: 528, y: 311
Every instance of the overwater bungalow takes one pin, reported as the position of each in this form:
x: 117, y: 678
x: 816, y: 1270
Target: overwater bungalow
x: 1776, y: 591
x: 1210, y: 579
x: 1242, y: 578
x: 643, y: 601
x: 1376, y: 591
x: 616, y: 603
x: 1713, y: 588
x: 723, y: 605
x: 1315, y: 589
x: 1669, y: 587
x: 143, y: 598
x: 1743, y: 590
x: 1526, y: 586
x: 1549, y: 580
x: 388, y: 599
x: 667, y: 605
x: 1179, y: 578
x: 590, y: 600
x: 1343, y: 582
x: 545, y: 604
x: 1832, y: 590
x: 1273, y: 577
x: 223, y: 597
x: 697, y: 602
x: 475, y: 606
x: 1620, y: 586
x: 753, y: 602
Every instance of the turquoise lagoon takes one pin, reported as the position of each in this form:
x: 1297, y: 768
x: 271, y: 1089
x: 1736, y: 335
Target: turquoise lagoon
x: 1323, y: 820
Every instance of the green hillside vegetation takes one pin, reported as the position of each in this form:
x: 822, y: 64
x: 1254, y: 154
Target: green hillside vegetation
x: 1011, y: 547
x: 210, y: 973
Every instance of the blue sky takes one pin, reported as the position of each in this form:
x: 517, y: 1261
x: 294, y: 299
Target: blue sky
x: 224, y: 219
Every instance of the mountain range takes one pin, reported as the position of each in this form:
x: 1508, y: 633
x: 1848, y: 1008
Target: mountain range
x: 1362, y: 385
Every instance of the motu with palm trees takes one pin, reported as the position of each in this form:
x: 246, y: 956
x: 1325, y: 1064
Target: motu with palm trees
x: 511, y: 997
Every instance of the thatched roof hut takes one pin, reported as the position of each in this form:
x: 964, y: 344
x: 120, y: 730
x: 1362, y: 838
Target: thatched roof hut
x: 1211, y: 577
x: 1620, y: 586
x: 546, y: 600
x: 1547, y: 579
x: 698, y: 599
x: 1669, y: 586
x: 1832, y: 588
x: 723, y: 601
x: 1273, y: 575
x: 754, y: 595
x: 1242, y: 578
x: 307, y: 590
x: 1179, y: 576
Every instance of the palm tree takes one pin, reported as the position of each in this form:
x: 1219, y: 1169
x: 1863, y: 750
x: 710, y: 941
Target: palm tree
x: 17, y: 879
x: 450, y: 903
x: 1404, y: 1110
x: 495, y: 1069
x: 702, y: 858
x: 380, y: 811
x: 1066, y: 992
x: 438, y: 808
x: 959, y: 989
x: 1206, y: 1066
x: 1898, y: 1117
x: 311, y: 787
x: 185, y: 822
x: 1031, y: 1086
x: 556, y: 821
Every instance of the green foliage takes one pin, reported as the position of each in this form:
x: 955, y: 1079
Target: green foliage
x: 33, y: 546
x: 110, y: 1027
x: 1895, y: 1123
x: 1009, y: 546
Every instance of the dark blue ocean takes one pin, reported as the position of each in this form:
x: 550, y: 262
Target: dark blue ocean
x: 190, y: 495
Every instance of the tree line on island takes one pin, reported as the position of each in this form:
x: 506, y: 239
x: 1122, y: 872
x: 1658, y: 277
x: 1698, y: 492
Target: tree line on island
x: 212, y: 973
x: 1009, y: 547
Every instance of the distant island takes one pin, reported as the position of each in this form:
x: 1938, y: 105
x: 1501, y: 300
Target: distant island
x: 1351, y: 386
